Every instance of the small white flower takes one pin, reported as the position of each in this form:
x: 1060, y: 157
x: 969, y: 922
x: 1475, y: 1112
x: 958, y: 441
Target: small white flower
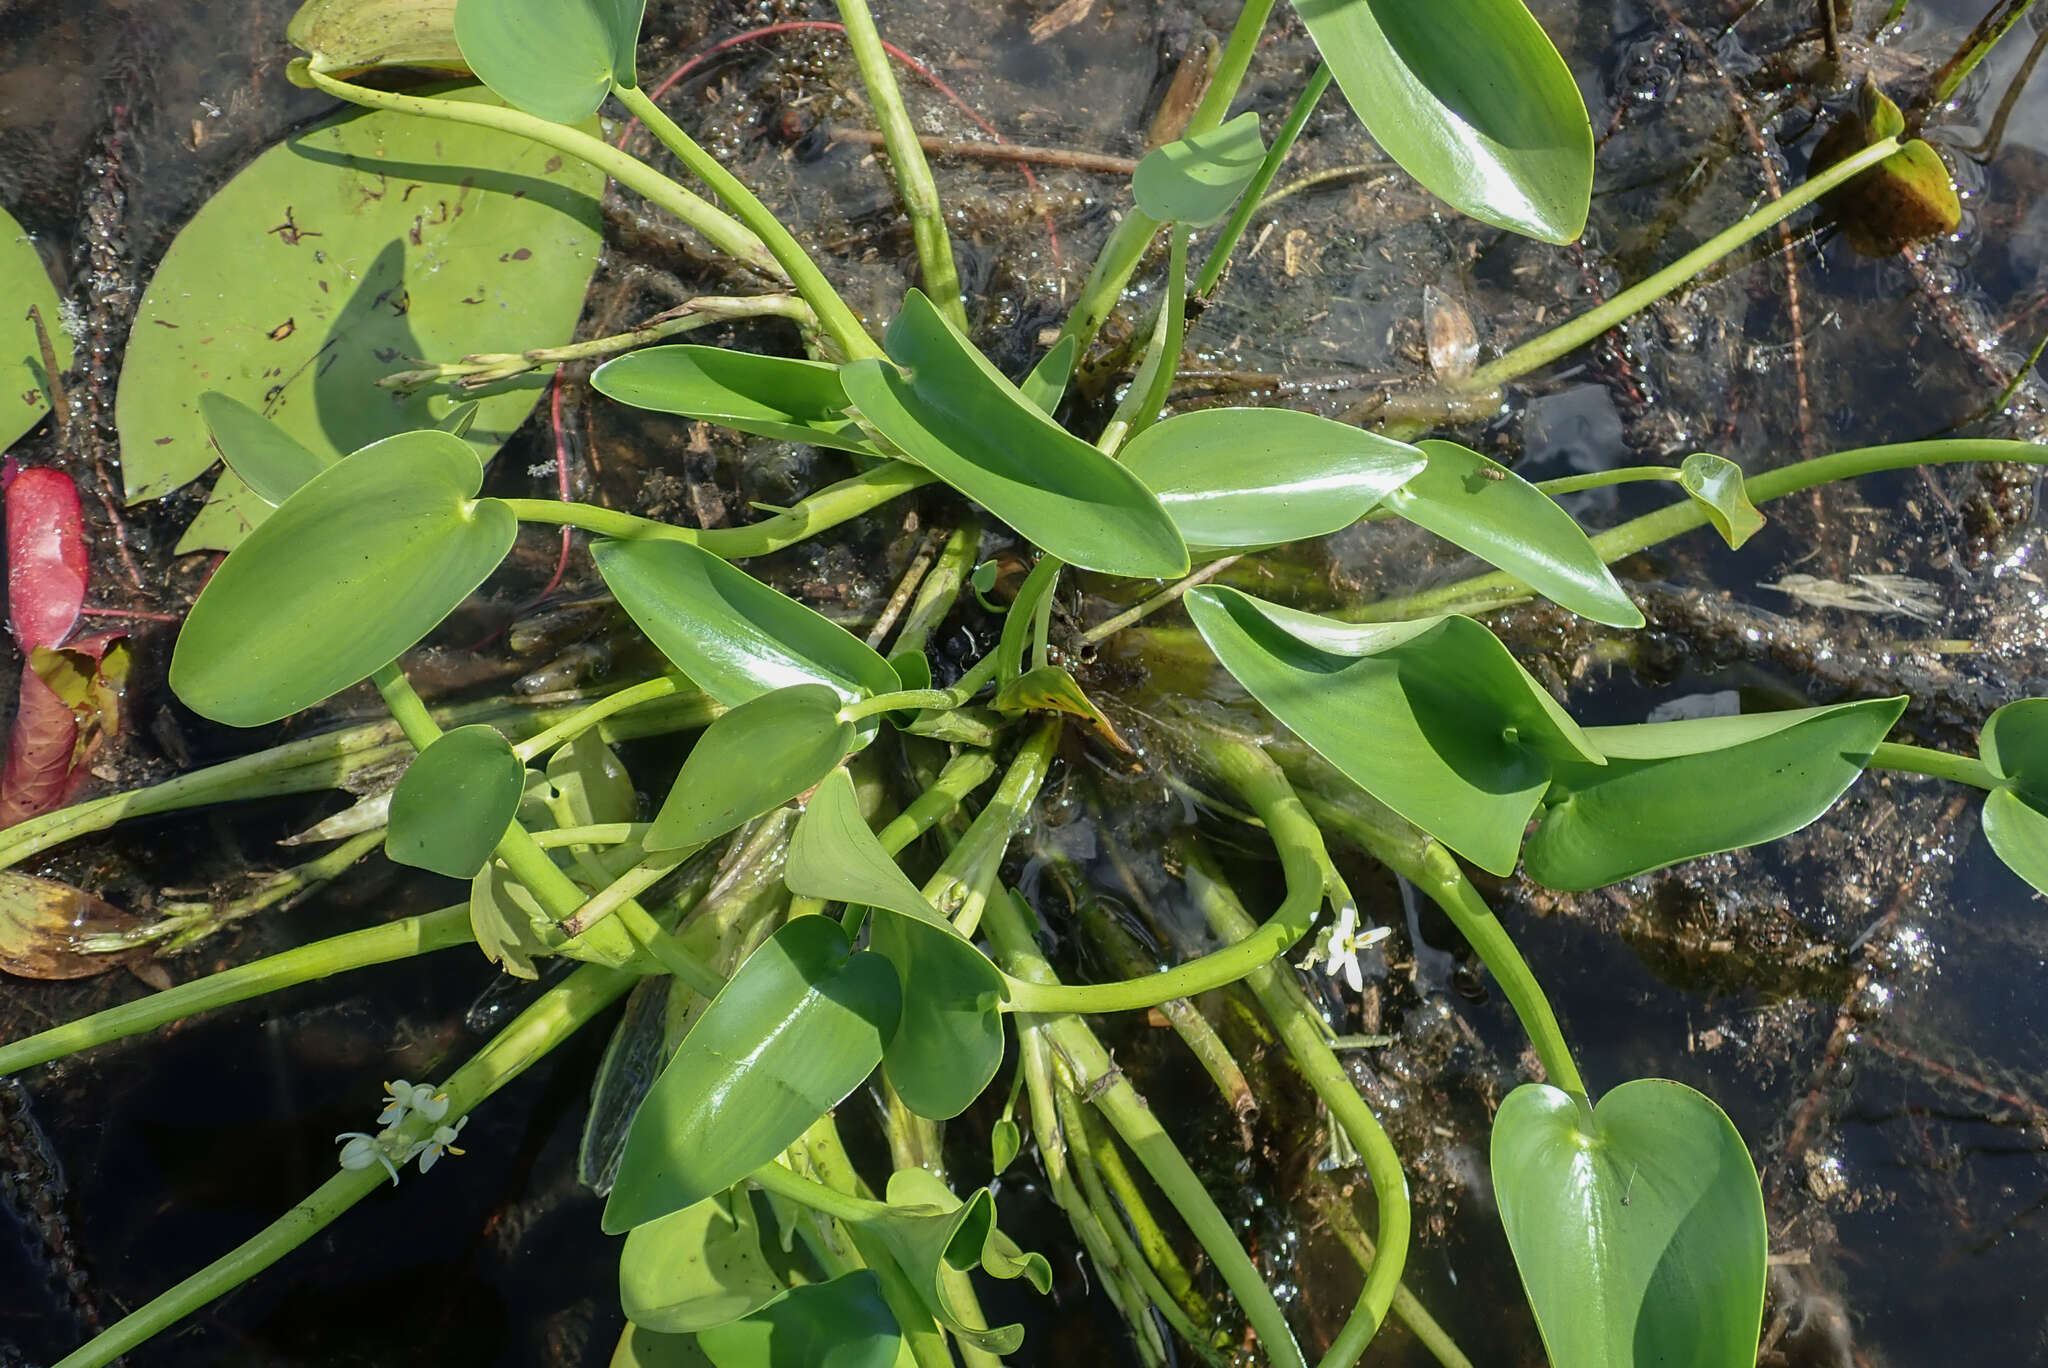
x: 429, y: 1103
x: 441, y: 1142
x: 362, y: 1150
x: 397, y: 1100
x: 1344, y: 942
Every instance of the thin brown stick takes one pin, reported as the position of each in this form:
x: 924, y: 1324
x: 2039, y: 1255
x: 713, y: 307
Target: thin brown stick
x: 994, y: 151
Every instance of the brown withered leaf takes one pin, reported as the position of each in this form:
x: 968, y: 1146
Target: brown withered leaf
x: 43, y: 926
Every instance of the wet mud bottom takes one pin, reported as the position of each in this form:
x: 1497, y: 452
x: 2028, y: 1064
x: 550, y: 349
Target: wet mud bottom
x: 1864, y: 998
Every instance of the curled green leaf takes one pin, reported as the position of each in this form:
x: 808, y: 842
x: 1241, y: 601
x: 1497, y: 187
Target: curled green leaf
x: 1715, y: 484
x: 930, y: 1230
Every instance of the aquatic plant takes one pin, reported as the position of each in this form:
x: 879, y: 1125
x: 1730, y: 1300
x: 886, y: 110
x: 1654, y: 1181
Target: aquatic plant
x: 751, y: 1237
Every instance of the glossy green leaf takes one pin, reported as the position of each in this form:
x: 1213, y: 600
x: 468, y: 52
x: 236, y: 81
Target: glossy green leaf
x: 1235, y: 478
x: 460, y: 419
x: 1051, y: 689
x: 1715, y: 484
x: 1471, y: 99
x: 731, y: 634
x: 347, y: 37
x: 769, y: 396
x: 1196, y: 179
x: 451, y: 808
x: 750, y: 761
x: 949, y: 1043
x: 588, y: 778
x: 2014, y: 744
x: 329, y: 263
x: 557, y: 59
x: 953, y: 413
x: 1434, y: 718
x: 792, y: 1033
x: 639, y: 1347
x: 1047, y: 384
x: 354, y: 569
x: 931, y: 1231
x: 1671, y: 791
x: 1005, y: 1142
x: 1501, y: 518
x: 843, y: 1323
x: 698, y: 1267
x: 268, y: 459
x: 1638, y: 1229
x: 24, y: 284
x: 833, y: 855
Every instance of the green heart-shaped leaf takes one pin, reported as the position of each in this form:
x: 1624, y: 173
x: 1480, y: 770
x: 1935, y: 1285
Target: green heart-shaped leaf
x: 354, y: 569
x: 319, y: 269
x: 833, y: 855
x: 731, y: 634
x: 698, y: 1267
x: 2014, y: 744
x: 1196, y: 179
x: 591, y: 781
x: 1638, y: 1226
x: 1434, y: 718
x: 949, y: 1043
x: 1672, y: 791
x: 769, y: 396
x: 792, y: 1033
x: 270, y: 460
x: 750, y: 761
x: 1498, y: 516
x: 348, y: 37
x: 954, y: 414
x: 1715, y: 484
x: 557, y: 59
x: 1472, y: 100
x: 930, y: 1231
x: 1234, y: 478
x: 843, y: 1323
x: 24, y: 284
x: 451, y: 808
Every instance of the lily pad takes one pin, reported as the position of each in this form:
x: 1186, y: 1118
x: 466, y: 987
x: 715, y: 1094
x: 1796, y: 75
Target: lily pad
x: 1638, y: 1226
x: 331, y: 261
x: 24, y: 284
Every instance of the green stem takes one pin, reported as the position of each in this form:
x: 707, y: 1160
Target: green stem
x: 906, y: 155
x: 491, y: 368
x: 717, y: 228
x: 1148, y: 391
x: 1639, y: 533
x: 830, y: 506
x: 1241, y: 765
x: 1570, y: 336
x: 844, y: 1206
x: 941, y: 588
x: 602, y: 833
x: 1166, y: 597
x: 1231, y: 67
x: 1423, y: 861
x: 1119, y: 258
x: 1303, y: 1037
x: 581, y: 721
x: 839, y: 322
x: 980, y: 850
x: 547, y: 1023
x: 891, y: 702
x: 1248, y: 203
x: 321, y: 959
x: 1600, y: 479
x: 1036, y: 589
x: 1894, y: 755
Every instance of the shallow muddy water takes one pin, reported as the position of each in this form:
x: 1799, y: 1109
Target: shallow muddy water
x: 1868, y: 999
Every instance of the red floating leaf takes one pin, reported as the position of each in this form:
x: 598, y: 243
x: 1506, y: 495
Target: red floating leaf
x: 46, y: 567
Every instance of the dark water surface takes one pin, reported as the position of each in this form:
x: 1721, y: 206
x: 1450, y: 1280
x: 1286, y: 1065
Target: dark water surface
x: 1866, y: 999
